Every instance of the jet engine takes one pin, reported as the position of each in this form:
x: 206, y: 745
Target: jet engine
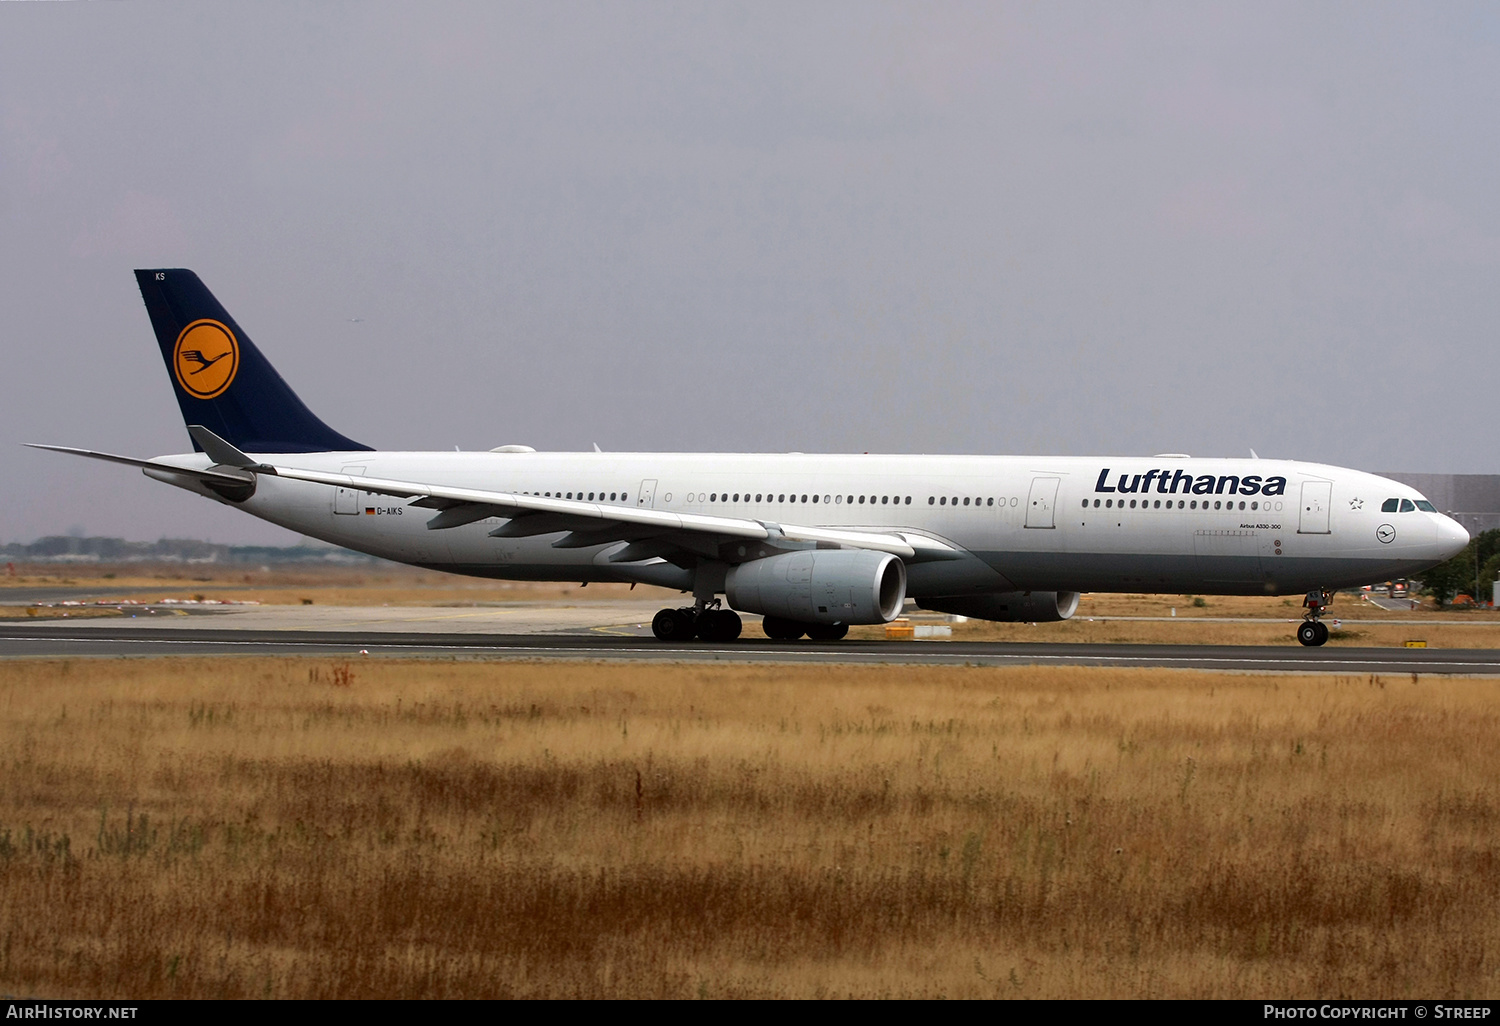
x: 1008, y: 606
x: 821, y: 586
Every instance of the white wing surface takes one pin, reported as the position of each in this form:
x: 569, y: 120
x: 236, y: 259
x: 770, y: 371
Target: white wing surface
x: 649, y: 532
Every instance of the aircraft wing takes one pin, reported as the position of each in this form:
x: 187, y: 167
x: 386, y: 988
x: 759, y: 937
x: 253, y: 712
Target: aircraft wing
x: 649, y: 533
x: 589, y: 523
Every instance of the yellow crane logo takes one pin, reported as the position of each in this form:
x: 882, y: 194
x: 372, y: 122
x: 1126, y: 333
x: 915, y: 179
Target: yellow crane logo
x: 205, y: 359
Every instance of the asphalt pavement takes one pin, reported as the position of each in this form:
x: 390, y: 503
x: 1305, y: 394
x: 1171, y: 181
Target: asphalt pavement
x: 84, y: 639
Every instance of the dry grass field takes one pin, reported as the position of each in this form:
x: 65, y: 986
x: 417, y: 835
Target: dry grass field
x: 297, y: 828
x: 297, y: 584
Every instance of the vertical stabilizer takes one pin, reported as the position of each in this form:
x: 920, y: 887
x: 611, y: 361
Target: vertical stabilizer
x: 222, y: 381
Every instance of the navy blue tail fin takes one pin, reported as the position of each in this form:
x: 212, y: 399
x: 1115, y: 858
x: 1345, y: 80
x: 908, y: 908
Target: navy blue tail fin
x: 222, y: 381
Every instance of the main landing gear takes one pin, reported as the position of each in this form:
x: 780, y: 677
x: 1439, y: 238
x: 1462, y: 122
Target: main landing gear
x: 1313, y: 632
x: 790, y: 630
x: 696, y: 621
x: 714, y: 623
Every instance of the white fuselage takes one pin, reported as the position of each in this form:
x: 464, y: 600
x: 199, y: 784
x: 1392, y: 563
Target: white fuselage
x: 1021, y: 523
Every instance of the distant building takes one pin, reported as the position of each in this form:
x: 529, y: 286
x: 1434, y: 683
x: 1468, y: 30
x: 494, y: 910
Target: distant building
x: 1471, y: 499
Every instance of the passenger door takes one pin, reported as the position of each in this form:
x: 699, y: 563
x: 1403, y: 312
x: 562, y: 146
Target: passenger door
x: 1041, y: 506
x: 1317, y: 497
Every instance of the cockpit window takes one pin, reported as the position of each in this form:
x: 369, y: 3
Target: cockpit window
x: 1407, y: 506
x: 1389, y: 505
x: 1425, y: 506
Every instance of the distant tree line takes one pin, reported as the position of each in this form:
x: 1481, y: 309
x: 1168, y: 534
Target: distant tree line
x: 1457, y: 576
x: 67, y: 548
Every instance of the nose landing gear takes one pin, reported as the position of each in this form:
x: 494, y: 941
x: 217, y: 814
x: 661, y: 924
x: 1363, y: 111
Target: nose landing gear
x: 1313, y: 631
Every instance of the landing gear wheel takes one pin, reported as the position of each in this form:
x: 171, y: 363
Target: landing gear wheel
x: 730, y: 625
x: 1312, y: 633
x: 827, y: 631
x: 719, y: 625
x: 672, y: 625
x: 782, y: 630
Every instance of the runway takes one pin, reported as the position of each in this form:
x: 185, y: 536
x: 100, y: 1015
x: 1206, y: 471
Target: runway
x: 51, y: 640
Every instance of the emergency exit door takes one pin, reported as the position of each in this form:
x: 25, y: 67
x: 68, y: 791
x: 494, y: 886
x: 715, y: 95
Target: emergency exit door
x: 346, y: 500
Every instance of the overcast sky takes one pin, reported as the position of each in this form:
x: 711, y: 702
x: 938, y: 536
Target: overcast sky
x: 1096, y: 228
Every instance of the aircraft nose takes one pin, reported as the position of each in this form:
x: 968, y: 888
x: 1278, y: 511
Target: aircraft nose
x: 1453, y: 537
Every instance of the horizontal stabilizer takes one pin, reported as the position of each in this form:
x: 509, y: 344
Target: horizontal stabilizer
x: 223, y: 475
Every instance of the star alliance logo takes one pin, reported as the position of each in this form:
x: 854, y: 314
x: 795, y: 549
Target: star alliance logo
x: 1356, y: 503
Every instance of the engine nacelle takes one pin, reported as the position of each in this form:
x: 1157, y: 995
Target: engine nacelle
x: 821, y: 586
x: 1008, y: 606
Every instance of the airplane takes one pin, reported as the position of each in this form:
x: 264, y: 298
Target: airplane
x: 812, y: 543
